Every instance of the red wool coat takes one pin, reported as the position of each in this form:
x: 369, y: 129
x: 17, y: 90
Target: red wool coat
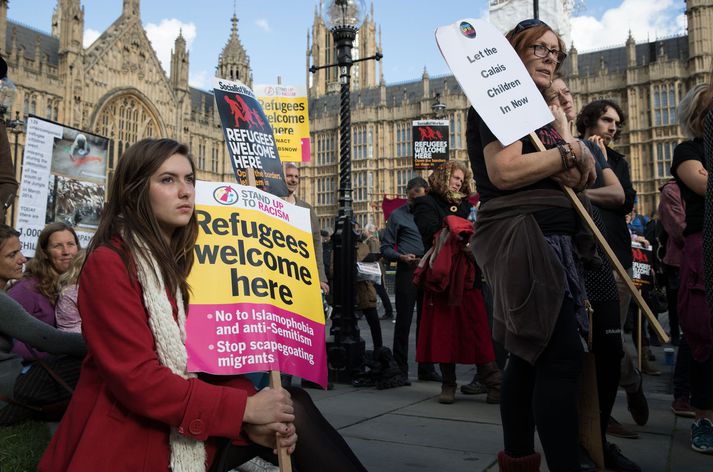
x: 454, y: 325
x: 125, y: 402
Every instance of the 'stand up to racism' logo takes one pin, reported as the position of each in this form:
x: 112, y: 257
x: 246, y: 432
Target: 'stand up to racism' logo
x: 225, y: 195
x: 467, y: 29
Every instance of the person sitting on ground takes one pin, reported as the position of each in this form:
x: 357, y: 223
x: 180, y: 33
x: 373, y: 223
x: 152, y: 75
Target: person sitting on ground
x: 37, y: 290
x: 67, y: 310
x: 136, y: 407
x: 27, y: 388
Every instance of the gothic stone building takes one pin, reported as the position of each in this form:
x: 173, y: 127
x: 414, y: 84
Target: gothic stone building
x: 647, y: 79
x: 116, y: 86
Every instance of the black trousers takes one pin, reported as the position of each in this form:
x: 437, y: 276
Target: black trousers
x: 608, y: 352
x: 320, y: 446
x: 37, y: 388
x: 544, y: 395
x: 407, y: 297
x: 384, y: 297
x: 682, y: 371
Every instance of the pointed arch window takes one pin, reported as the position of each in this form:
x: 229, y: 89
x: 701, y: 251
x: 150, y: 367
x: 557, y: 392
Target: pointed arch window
x: 125, y: 119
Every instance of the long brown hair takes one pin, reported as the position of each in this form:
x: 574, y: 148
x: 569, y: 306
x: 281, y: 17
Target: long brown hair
x: 128, y: 214
x: 40, y: 266
x: 440, y: 178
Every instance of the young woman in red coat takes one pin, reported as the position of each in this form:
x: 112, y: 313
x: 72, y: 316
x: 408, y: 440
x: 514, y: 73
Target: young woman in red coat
x: 135, y: 406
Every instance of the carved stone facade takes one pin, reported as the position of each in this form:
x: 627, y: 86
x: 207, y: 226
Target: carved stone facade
x: 117, y: 87
x: 647, y: 79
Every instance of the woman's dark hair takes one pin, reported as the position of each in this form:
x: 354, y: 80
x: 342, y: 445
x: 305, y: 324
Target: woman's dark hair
x: 591, y: 112
x: 7, y: 232
x: 40, y: 266
x: 525, y: 33
x: 128, y: 214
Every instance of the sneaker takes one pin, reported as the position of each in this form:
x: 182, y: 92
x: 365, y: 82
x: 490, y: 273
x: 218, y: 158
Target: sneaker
x: 702, y: 436
x: 614, y: 428
x: 615, y: 460
x: 387, y: 316
x: 681, y: 407
x: 474, y: 388
x: 637, y: 405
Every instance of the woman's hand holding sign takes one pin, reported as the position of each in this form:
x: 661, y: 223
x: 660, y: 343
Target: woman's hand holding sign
x: 269, y: 405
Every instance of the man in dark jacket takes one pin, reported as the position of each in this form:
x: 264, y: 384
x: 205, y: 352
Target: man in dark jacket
x: 601, y: 121
x: 402, y: 243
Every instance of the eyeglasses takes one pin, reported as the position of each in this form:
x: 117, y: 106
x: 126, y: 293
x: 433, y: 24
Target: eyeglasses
x: 541, y: 50
x: 526, y: 24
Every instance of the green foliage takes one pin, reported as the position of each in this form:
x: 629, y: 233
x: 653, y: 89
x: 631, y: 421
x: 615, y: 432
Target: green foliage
x: 22, y: 445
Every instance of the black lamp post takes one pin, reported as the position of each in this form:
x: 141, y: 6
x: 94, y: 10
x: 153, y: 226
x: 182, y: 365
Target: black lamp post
x: 438, y: 107
x: 345, y: 348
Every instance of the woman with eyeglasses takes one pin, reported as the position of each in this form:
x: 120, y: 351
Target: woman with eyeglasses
x: 527, y: 239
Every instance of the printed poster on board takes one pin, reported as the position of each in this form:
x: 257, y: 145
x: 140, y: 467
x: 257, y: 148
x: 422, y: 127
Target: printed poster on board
x: 286, y: 109
x: 642, y: 265
x: 256, y: 301
x: 63, y: 180
x: 430, y: 144
x: 249, y: 137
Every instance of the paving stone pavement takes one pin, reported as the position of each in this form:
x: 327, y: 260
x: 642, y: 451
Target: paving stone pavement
x: 406, y: 429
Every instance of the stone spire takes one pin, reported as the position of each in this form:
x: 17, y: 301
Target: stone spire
x: 179, y: 63
x: 234, y: 63
x: 130, y: 8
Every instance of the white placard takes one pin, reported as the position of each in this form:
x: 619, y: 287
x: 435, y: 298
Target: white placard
x: 493, y: 78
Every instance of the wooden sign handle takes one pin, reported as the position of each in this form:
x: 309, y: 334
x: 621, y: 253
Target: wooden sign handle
x: 283, y: 457
x: 608, y: 251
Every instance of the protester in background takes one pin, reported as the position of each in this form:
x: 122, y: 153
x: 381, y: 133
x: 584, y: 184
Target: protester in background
x: 67, y: 310
x: 365, y: 291
x: 601, y: 122
x: 688, y: 168
x: 292, y: 180
x: 372, y: 241
x: 37, y: 291
x: 454, y: 324
x: 708, y: 214
x: 27, y: 388
x: 526, y: 221
x: 402, y: 243
x: 134, y: 383
x: 672, y: 216
x: 599, y: 282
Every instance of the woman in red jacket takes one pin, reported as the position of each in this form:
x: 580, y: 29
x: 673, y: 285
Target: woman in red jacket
x: 136, y: 407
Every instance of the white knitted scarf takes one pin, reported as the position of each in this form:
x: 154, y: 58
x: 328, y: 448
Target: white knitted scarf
x: 187, y: 455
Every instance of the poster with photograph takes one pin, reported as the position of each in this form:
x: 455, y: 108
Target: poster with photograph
x: 63, y: 180
x: 248, y: 135
x: 430, y: 144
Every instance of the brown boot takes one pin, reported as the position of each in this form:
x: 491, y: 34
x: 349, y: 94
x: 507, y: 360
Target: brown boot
x: 491, y: 377
x: 529, y: 463
x: 448, y: 393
